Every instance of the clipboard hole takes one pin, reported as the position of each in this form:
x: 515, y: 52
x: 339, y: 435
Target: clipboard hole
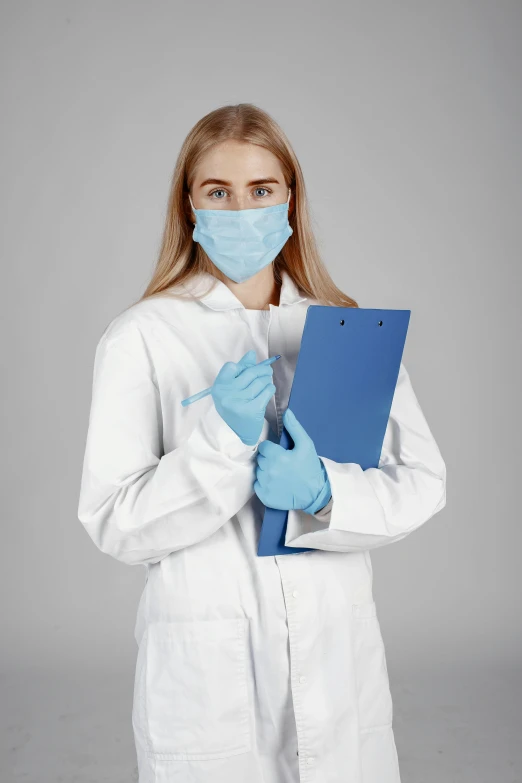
x: 380, y: 323
x: 342, y: 321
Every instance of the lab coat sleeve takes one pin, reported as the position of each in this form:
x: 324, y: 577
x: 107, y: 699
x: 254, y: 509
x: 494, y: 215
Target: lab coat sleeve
x: 324, y: 514
x: 377, y: 506
x: 136, y: 503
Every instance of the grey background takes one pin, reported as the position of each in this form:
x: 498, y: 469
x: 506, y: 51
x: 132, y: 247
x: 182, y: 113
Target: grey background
x: 406, y: 118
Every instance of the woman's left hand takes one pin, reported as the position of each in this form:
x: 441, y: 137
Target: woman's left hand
x: 291, y: 478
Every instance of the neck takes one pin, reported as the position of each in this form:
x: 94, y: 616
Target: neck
x: 258, y: 292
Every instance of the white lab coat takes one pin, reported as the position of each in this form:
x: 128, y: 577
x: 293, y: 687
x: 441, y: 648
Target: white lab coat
x: 249, y: 669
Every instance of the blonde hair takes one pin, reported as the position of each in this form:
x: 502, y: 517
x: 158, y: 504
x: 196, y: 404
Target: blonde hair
x: 180, y: 258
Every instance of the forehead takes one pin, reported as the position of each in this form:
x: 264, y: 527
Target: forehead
x: 237, y: 161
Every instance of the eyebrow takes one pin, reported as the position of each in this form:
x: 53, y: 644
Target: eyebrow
x: 262, y: 181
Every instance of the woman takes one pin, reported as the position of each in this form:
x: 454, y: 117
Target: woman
x: 249, y: 669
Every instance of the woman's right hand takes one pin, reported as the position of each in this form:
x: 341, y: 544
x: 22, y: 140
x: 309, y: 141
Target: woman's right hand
x: 241, y: 393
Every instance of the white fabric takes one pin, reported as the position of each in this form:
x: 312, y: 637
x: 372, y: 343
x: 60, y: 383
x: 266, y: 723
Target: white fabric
x: 258, y: 669
x: 325, y: 513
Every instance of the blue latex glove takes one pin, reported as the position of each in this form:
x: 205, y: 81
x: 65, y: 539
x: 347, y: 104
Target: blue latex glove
x: 241, y: 393
x: 292, y: 478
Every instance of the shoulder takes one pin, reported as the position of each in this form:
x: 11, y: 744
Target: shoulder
x: 126, y: 350
x: 140, y: 320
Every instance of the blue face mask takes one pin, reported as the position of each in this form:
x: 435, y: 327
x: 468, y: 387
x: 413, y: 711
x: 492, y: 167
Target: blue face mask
x: 240, y: 242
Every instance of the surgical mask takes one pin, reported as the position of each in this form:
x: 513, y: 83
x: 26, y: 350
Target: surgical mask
x: 241, y: 242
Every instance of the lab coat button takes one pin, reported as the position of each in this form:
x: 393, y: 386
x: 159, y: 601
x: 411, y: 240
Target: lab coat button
x: 302, y: 679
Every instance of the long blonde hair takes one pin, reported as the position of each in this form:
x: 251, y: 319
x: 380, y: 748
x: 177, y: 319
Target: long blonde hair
x: 180, y: 258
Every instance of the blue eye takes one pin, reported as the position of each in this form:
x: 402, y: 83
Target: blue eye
x: 213, y: 193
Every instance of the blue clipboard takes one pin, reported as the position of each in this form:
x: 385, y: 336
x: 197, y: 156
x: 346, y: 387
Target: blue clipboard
x: 342, y: 392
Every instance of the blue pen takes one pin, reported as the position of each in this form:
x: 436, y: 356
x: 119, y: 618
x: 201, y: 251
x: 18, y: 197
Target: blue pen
x: 204, y: 393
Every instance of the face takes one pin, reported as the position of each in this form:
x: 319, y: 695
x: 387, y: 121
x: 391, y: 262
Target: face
x: 238, y: 175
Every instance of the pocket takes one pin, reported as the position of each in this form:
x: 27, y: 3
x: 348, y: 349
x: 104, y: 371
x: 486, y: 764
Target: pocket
x: 371, y: 671
x: 191, y: 698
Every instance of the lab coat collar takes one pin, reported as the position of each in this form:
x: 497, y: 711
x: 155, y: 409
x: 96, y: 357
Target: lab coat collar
x: 222, y: 298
